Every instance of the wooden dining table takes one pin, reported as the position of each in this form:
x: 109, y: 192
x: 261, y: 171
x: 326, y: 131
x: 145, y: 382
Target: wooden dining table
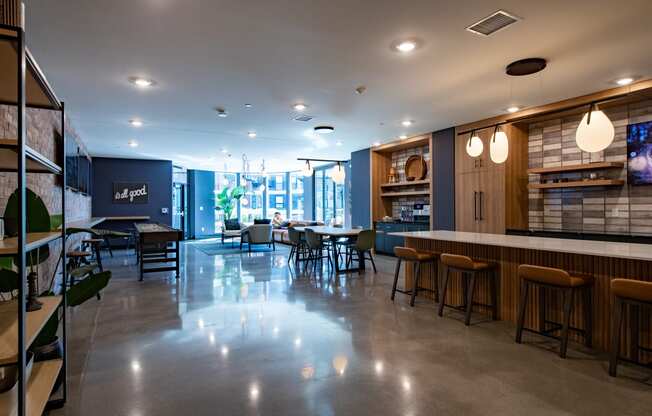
x: 334, y: 234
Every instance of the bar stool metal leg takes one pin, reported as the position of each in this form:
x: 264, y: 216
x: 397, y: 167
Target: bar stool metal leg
x: 568, y: 307
x: 588, y: 316
x: 415, y: 282
x: 469, y: 300
x: 522, y: 305
x: 444, y: 290
x: 396, y: 273
x: 616, y: 326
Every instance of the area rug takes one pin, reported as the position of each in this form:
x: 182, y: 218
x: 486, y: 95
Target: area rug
x: 214, y: 247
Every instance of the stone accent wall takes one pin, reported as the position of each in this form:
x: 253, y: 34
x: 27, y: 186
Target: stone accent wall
x: 398, y: 162
x: 41, y: 128
x: 611, y: 210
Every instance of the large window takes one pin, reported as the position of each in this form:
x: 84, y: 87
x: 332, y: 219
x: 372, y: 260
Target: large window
x: 277, y: 196
x: 222, y: 181
x: 296, y: 196
x: 252, y: 203
x: 329, y: 198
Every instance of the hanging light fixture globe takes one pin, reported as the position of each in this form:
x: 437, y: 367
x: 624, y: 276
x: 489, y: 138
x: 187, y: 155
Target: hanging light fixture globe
x: 338, y: 174
x: 244, y: 201
x: 595, y: 132
x: 474, y: 146
x: 307, y: 169
x: 499, y: 146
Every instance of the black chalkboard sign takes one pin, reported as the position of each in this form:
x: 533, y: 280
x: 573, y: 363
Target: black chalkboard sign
x: 130, y: 192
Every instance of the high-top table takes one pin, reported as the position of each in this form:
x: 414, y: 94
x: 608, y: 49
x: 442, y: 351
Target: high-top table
x: 334, y: 234
x: 153, y: 240
x: 601, y: 259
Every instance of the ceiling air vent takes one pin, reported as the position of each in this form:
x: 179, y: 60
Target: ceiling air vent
x: 303, y: 117
x: 493, y: 23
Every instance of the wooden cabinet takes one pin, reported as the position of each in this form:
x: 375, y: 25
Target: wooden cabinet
x: 488, y: 196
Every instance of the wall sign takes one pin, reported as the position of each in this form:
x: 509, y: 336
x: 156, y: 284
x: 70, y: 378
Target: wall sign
x: 130, y: 192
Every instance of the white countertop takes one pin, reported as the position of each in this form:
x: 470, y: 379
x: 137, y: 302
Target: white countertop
x: 560, y: 245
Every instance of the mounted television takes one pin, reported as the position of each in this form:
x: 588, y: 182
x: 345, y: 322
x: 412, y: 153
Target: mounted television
x: 639, y: 153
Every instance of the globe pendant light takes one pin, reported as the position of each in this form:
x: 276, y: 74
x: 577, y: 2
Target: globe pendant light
x: 474, y: 146
x: 595, y: 132
x: 499, y: 146
x: 338, y: 175
x: 307, y: 169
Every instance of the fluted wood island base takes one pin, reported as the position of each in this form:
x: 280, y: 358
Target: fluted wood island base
x: 603, y: 260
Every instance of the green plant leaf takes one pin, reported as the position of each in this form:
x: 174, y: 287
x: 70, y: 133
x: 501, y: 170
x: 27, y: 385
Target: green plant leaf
x: 88, y: 288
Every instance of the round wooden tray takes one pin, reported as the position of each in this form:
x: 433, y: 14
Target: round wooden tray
x: 415, y: 168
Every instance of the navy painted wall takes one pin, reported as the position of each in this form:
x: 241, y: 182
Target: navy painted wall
x: 157, y: 173
x: 443, y: 175
x: 361, y: 188
x: 201, y: 203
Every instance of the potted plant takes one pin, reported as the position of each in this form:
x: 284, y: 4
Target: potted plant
x: 226, y: 199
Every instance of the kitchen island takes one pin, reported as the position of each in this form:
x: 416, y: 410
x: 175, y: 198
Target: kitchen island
x: 603, y: 260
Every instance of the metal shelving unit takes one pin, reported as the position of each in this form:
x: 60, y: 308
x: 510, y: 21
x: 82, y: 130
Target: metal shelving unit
x: 23, y: 85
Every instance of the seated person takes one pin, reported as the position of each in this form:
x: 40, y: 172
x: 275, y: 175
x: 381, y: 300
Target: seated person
x: 278, y: 221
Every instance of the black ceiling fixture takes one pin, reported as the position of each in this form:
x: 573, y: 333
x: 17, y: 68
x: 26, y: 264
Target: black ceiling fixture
x: 324, y: 129
x: 526, y: 66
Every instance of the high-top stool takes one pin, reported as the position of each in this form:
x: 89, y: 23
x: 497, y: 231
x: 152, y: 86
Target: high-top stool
x: 469, y: 269
x: 95, y: 244
x: 551, y: 278
x: 417, y: 258
x: 627, y: 292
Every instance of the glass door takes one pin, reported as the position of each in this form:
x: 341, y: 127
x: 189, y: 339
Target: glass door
x: 179, y: 208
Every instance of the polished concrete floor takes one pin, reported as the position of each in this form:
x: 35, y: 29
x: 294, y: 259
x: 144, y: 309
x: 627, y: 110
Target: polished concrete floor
x: 244, y: 334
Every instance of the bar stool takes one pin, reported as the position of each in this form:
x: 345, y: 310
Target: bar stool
x: 469, y: 269
x: 94, y: 244
x: 626, y: 292
x: 548, y: 277
x: 417, y: 258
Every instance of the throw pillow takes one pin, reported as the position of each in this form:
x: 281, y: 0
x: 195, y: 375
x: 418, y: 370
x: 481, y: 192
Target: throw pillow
x: 262, y: 221
x: 232, y: 225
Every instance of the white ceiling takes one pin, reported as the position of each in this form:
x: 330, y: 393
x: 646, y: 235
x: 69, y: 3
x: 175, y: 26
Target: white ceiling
x: 209, y: 53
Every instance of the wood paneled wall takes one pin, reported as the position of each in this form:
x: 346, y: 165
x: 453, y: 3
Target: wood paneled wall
x: 603, y: 269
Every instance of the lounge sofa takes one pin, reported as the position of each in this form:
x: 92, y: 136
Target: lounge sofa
x: 280, y: 234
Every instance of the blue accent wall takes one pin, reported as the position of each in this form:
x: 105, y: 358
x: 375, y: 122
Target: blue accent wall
x: 361, y: 188
x: 157, y: 173
x: 201, y: 203
x: 443, y: 179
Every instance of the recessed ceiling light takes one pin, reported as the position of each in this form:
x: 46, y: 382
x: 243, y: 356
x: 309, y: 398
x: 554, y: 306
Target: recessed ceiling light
x: 625, y: 81
x: 252, y: 134
x: 406, y: 45
x: 133, y: 143
x: 407, y: 123
x: 376, y: 144
x: 299, y: 106
x: 324, y: 129
x: 142, y: 82
x: 221, y: 112
x: 513, y: 109
x: 248, y: 105
x: 136, y: 123
x: 402, y: 137
x: 338, y: 143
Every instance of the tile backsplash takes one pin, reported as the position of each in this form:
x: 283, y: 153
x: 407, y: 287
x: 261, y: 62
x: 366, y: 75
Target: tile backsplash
x: 612, y: 210
x: 398, y: 163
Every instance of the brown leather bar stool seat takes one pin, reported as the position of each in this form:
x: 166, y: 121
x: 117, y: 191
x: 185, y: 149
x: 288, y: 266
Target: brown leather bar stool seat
x: 634, y: 293
x: 418, y: 258
x: 469, y: 269
x: 556, y: 279
x: 78, y: 254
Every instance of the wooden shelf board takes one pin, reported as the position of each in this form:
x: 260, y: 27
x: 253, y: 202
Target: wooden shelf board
x: 578, y: 168
x: 36, y: 162
x: 416, y: 141
x: 400, y: 194
x: 577, y: 184
x: 34, y: 240
x: 33, y: 324
x: 406, y: 183
x: 39, y: 387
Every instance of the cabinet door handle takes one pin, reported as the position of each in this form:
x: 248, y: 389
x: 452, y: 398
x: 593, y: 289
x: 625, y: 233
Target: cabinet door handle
x: 475, y: 206
x: 481, y: 201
